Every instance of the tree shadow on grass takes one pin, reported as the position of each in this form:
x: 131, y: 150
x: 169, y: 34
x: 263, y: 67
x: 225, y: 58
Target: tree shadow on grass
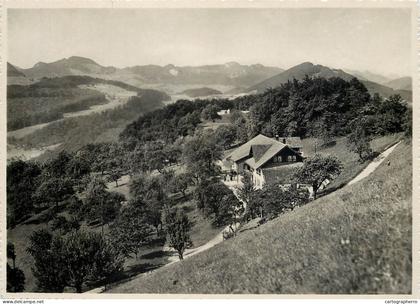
x: 156, y: 242
x: 124, y: 276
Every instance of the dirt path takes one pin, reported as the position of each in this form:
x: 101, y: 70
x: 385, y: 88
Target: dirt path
x: 174, y: 257
x: 373, y: 165
x: 191, y: 252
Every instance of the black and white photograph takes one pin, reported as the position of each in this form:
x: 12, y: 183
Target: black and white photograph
x: 209, y: 150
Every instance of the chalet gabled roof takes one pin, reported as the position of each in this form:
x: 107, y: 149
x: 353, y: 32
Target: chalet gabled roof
x: 258, y: 150
x: 244, y: 150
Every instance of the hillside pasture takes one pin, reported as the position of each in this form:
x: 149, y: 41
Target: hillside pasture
x: 356, y: 240
x: 350, y: 160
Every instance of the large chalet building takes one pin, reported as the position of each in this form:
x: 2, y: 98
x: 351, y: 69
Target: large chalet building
x: 268, y: 160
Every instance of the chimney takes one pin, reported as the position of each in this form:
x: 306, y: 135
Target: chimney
x: 284, y: 140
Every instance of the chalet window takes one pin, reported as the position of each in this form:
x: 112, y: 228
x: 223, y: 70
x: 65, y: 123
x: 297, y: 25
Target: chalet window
x: 289, y: 158
x: 259, y: 171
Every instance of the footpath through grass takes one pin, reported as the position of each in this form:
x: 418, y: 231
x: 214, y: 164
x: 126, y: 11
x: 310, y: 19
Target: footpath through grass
x: 350, y: 160
x: 355, y: 240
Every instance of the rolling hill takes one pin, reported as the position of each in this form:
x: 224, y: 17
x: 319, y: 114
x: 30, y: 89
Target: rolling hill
x: 385, y: 91
x: 15, y: 76
x: 67, y: 66
x: 299, y: 72
x: 307, y: 68
x: 13, y: 71
x: 403, y: 83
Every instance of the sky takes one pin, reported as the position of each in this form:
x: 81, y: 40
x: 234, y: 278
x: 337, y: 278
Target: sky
x: 377, y: 40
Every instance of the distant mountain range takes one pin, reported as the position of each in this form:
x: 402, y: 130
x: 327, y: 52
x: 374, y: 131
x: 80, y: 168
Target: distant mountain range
x: 369, y: 76
x: 231, y: 77
x: 232, y: 73
x: 307, y: 68
x: 403, y: 83
x: 12, y: 71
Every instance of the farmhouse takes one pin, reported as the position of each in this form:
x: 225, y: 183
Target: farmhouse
x: 268, y: 160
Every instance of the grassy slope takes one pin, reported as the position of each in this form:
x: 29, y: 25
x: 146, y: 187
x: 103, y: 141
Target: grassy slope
x: 356, y: 240
x: 351, y: 164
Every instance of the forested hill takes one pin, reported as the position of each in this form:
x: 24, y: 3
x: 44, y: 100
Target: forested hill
x: 308, y: 69
x: 311, y: 107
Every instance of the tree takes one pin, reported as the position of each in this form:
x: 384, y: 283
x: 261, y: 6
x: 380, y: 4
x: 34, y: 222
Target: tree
x: 71, y: 260
x: 317, y: 169
x: 255, y: 206
x: 47, y: 268
x: 392, y: 113
x: 200, y: 154
x: 74, y: 205
x: 22, y: 182
x: 408, y: 123
x: 172, y: 153
x: 240, y: 122
x: 54, y: 190
x: 60, y: 222
x: 321, y: 133
x: 210, y: 113
x: 358, y: 142
x: 181, y: 182
x: 217, y: 200
x: 101, y: 154
x: 88, y: 257
x: 277, y: 200
x: 114, y: 176
x: 15, y: 279
x: 11, y: 254
x: 246, y: 190
x: 178, y: 228
x: 15, y: 276
x: 149, y: 190
x: 131, y: 229
x: 225, y: 135
x: 101, y: 203
x: 57, y: 167
x: 77, y: 167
